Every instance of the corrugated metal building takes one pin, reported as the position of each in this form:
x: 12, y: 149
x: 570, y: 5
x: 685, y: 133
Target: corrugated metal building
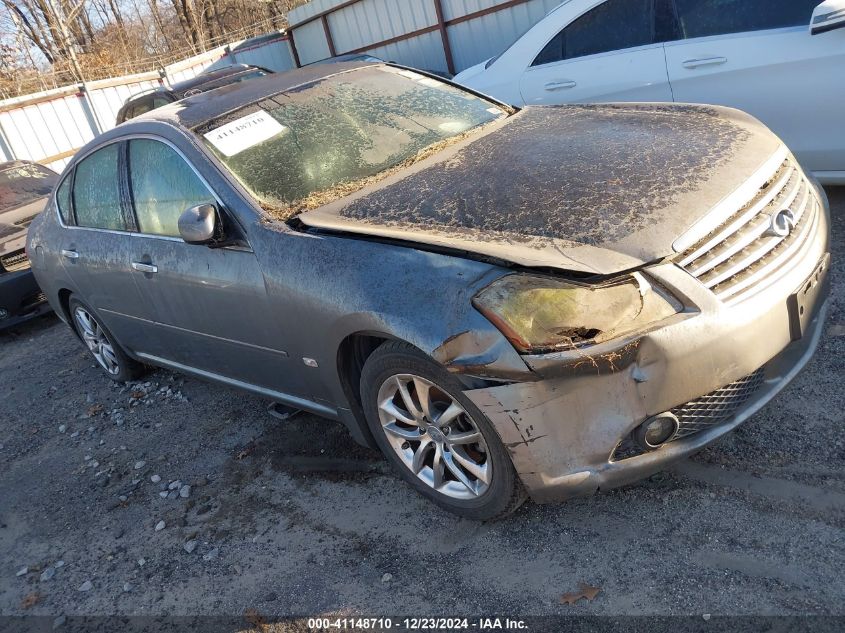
x: 49, y: 127
x: 442, y: 35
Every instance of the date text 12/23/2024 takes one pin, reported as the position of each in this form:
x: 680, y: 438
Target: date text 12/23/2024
x: 415, y: 624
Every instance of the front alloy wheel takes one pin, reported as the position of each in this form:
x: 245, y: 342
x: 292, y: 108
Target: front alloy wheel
x: 434, y: 436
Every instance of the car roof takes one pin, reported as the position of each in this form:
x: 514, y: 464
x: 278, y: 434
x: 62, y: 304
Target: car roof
x: 12, y: 164
x: 205, y: 77
x: 195, y: 110
x: 350, y: 57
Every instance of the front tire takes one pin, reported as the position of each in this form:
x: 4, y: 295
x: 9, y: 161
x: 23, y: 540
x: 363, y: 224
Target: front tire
x: 101, y: 344
x: 434, y: 436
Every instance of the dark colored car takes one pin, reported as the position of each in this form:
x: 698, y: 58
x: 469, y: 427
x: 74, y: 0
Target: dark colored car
x: 548, y: 301
x: 349, y: 57
x: 157, y: 97
x: 24, y: 190
x: 364, y: 57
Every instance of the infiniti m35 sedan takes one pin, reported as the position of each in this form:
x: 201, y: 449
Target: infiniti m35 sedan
x: 508, y: 303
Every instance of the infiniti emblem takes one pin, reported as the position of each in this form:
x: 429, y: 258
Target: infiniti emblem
x: 781, y: 223
x: 436, y: 435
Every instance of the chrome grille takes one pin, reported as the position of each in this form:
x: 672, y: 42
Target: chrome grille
x: 741, y: 253
x: 14, y: 262
x: 703, y: 413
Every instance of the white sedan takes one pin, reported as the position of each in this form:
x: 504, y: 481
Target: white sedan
x: 782, y: 61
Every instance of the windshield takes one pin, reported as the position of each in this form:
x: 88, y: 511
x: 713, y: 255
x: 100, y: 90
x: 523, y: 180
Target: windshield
x: 23, y: 183
x: 301, y: 149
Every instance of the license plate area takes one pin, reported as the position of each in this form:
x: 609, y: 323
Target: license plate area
x: 802, y: 304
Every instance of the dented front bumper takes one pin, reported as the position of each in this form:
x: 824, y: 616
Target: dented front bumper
x: 562, y: 431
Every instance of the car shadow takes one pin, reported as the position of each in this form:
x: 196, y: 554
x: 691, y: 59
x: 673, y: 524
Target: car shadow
x: 29, y: 328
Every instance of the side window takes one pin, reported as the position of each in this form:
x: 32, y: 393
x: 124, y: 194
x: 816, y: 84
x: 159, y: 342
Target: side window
x: 63, y: 199
x: 612, y: 26
x: 700, y: 18
x: 160, y: 101
x: 144, y: 104
x: 96, y: 191
x: 163, y: 186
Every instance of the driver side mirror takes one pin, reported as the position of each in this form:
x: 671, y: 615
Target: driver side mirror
x: 829, y: 15
x: 199, y: 224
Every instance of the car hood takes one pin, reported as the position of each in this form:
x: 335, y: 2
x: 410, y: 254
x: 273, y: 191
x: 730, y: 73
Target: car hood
x: 14, y: 223
x: 589, y: 188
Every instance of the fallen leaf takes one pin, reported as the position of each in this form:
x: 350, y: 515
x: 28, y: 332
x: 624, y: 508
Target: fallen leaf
x: 255, y: 619
x: 137, y: 395
x: 584, y: 591
x: 94, y: 409
x: 31, y: 600
x: 245, y: 451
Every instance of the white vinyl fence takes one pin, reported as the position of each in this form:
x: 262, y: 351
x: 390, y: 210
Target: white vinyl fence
x: 442, y: 35
x: 49, y: 127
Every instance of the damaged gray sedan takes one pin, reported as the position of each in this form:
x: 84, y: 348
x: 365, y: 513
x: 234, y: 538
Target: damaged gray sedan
x: 508, y: 303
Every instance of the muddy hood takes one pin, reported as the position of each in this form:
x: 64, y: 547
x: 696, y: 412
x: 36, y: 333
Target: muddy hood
x: 596, y: 188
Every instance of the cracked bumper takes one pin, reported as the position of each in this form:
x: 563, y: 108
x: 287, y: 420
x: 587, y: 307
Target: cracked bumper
x: 562, y: 430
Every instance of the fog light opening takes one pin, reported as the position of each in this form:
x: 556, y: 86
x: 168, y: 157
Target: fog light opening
x: 656, y: 431
x: 3, y: 313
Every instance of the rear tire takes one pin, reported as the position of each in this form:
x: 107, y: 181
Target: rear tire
x: 435, y: 437
x: 101, y: 344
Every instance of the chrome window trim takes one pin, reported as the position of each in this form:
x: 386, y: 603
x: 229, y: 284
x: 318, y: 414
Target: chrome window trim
x: 54, y: 195
x: 164, y: 238
x: 129, y: 137
x: 153, y: 137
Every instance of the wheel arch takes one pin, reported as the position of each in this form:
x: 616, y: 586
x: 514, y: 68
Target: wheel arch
x: 352, y: 353
x: 64, y: 296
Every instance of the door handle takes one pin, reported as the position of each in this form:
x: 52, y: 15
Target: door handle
x: 144, y: 268
x: 70, y: 254
x: 559, y: 85
x: 703, y: 61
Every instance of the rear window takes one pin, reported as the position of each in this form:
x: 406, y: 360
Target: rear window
x: 23, y: 183
x: 63, y: 199
x: 307, y: 147
x: 96, y: 194
x: 612, y: 26
x: 225, y: 81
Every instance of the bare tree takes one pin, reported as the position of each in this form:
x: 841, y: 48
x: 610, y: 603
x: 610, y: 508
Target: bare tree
x: 32, y: 28
x: 72, y: 40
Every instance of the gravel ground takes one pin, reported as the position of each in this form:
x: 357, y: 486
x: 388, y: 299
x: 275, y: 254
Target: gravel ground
x: 174, y: 496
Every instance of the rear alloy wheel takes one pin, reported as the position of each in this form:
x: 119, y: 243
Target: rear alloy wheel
x: 435, y: 437
x: 117, y: 365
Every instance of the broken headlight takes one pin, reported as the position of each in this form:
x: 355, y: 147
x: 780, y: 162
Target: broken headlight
x: 543, y: 314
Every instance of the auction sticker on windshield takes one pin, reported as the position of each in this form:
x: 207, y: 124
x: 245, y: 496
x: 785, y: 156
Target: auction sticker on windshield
x: 245, y: 132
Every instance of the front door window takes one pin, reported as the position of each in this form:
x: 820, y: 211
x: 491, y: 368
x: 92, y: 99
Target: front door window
x: 163, y: 186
